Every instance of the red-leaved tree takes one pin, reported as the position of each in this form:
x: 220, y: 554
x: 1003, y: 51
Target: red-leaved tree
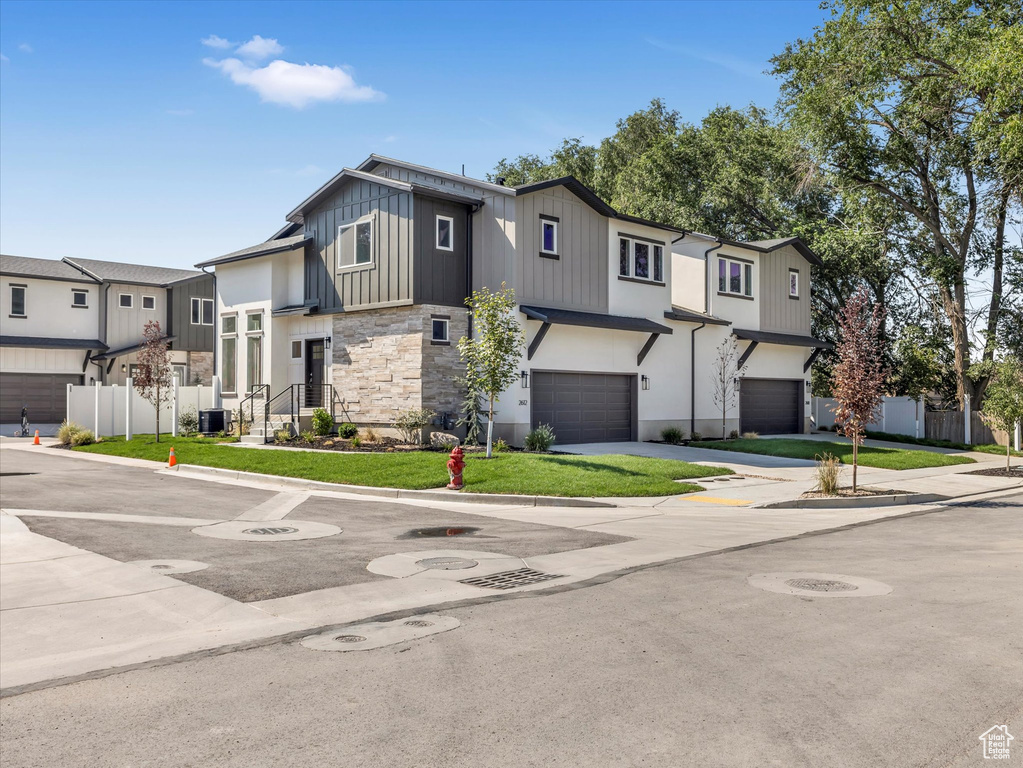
x: 152, y: 379
x: 859, y: 376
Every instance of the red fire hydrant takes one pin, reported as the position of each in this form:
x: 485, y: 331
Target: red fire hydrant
x: 455, y: 467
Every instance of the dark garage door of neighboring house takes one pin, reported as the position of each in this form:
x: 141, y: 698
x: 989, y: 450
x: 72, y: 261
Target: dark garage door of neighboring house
x: 771, y: 406
x: 45, y: 394
x: 584, y: 407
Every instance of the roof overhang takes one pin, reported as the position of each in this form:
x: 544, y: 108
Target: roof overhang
x: 592, y: 199
x: 42, y: 342
x: 263, y: 249
x: 111, y: 354
x: 373, y: 161
x: 593, y: 320
x: 308, y: 308
x: 787, y: 339
x: 801, y: 248
x: 346, y: 174
x: 689, y: 316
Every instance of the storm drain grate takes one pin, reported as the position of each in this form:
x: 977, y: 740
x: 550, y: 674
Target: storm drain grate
x: 350, y: 639
x: 821, y: 585
x: 510, y: 579
x: 269, y: 531
x: 418, y: 623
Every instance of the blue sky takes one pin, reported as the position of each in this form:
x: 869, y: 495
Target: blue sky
x: 124, y: 136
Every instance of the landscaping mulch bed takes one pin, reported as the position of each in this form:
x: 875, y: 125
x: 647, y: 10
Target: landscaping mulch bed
x: 847, y: 493
x: 1016, y: 472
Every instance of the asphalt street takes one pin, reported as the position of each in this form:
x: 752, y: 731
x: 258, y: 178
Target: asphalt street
x: 684, y: 664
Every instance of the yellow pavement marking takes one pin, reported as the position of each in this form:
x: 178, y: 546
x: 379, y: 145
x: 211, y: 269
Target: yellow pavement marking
x: 716, y: 500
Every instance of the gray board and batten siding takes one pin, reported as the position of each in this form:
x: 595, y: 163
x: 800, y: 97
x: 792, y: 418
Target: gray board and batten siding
x: 193, y: 338
x: 778, y: 312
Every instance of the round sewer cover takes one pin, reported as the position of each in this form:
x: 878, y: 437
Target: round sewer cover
x: 170, y: 567
x: 350, y: 639
x: 441, y: 531
x: 821, y: 585
x: 269, y: 531
x: 447, y: 563
x: 248, y: 530
x: 418, y: 623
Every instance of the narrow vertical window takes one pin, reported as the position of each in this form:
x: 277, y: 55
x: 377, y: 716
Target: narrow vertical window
x: 549, y: 236
x: 196, y: 311
x: 207, y: 311
x: 228, y: 353
x: 722, y: 275
x: 254, y: 349
x: 18, y: 300
x: 623, y: 257
x: 445, y: 229
x: 658, y: 263
x: 364, y: 242
x: 747, y: 281
x: 735, y: 277
x: 641, y: 260
x: 793, y: 283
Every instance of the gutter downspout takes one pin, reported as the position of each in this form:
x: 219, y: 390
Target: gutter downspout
x: 692, y: 338
x: 473, y: 210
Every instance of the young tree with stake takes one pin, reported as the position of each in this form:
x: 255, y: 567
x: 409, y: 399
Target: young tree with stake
x: 724, y: 373
x: 860, y: 374
x: 492, y: 354
x: 152, y: 379
x: 1003, y: 406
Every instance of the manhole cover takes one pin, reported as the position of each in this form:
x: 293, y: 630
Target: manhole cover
x: 418, y: 623
x: 161, y: 566
x: 269, y: 531
x: 442, y: 530
x: 447, y: 563
x: 350, y: 639
x: 510, y: 579
x: 821, y: 585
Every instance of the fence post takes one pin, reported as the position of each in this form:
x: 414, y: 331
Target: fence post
x: 113, y: 409
x: 1019, y: 434
x: 174, y: 406
x: 967, y: 423
x: 95, y: 421
x: 127, y: 406
x: 916, y: 412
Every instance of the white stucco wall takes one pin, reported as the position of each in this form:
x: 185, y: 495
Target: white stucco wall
x: 48, y: 310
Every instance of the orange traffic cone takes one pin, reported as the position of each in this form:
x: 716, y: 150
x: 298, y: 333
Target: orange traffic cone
x: 172, y: 462
x: 36, y: 441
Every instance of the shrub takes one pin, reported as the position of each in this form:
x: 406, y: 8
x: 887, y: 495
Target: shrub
x: 829, y: 471
x: 83, y: 437
x: 697, y: 436
x: 347, y: 430
x: 308, y: 436
x: 673, y: 435
x: 500, y: 446
x: 540, y: 439
x: 410, y: 424
x: 323, y: 422
x: 188, y: 422
x: 282, y: 435
x: 67, y: 431
x: 356, y: 440
x: 371, y: 435
x: 733, y: 435
x: 750, y: 435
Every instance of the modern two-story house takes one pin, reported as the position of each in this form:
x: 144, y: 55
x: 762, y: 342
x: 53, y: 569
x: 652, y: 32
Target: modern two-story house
x: 80, y: 321
x: 364, y: 290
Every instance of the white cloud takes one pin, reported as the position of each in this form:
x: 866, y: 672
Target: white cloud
x: 180, y: 112
x: 3, y: 58
x: 25, y: 48
x: 295, y: 85
x: 390, y: 139
x: 215, y: 41
x: 259, y: 48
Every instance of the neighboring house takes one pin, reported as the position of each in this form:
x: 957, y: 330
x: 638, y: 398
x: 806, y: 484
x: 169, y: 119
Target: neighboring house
x: 364, y: 289
x: 79, y: 321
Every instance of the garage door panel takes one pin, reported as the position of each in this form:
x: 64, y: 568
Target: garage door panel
x: 771, y: 406
x: 584, y: 407
x: 44, y: 394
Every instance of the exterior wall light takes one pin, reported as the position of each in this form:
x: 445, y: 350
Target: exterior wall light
x: 644, y: 381
x: 326, y: 342
x: 524, y: 377
x: 123, y: 367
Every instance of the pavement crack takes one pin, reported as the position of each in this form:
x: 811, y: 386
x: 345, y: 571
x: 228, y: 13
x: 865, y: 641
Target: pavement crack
x: 93, y: 599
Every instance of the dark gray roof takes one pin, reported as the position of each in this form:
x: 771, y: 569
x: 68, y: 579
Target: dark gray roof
x: 588, y: 196
x: 41, y: 341
x: 263, y: 249
x: 109, y: 355
x: 593, y: 320
x: 689, y: 316
x: 766, y: 246
x: 47, y: 269
x: 307, y: 308
x: 139, y: 274
x: 789, y: 339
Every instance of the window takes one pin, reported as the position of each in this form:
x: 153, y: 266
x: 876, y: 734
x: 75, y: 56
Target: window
x: 229, y: 324
x: 640, y: 260
x: 178, y: 372
x: 355, y: 244
x: 79, y: 298
x: 125, y: 300
x: 254, y: 322
x: 148, y: 302
x: 735, y: 277
x: 202, y: 311
x: 793, y: 283
x: 548, y: 236
x: 440, y: 330
x: 296, y: 350
x: 445, y: 233
x: 254, y: 350
x: 228, y: 363
x: 18, y: 300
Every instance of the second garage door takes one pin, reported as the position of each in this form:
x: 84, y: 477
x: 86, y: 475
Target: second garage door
x: 584, y: 407
x: 44, y: 394
x: 771, y: 406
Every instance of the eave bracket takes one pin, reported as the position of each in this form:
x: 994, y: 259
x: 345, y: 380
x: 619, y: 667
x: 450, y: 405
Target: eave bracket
x: 535, y: 343
x: 746, y: 354
x: 646, y: 348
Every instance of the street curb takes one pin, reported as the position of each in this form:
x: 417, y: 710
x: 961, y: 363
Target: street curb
x: 395, y: 493
x: 888, y: 500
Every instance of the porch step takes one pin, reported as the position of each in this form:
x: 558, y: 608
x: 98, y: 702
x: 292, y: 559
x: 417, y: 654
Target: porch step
x: 255, y: 439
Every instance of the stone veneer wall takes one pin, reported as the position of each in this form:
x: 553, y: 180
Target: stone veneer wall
x: 383, y: 362
x: 200, y: 364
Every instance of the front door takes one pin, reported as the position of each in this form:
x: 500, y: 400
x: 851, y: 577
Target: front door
x: 314, y: 373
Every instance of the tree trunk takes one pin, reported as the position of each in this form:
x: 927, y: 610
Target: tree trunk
x: 1008, y: 453
x: 490, y: 430
x: 856, y: 456
x: 158, y: 413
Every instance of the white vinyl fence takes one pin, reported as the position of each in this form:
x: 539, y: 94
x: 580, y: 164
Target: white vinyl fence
x: 897, y: 416
x: 109, y: 409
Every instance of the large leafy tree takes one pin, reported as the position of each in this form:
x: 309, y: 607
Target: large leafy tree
x: 919, y: 102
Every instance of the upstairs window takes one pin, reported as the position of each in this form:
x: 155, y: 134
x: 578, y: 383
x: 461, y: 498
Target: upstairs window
x: 254, y: 322
x: 148, y: 302
x: 445, y: 233
x: 640, y: 259
x: 18, y: 300
x: 735, y: 277
x: 548, y: 235
x: 80, y: 299
x: 202, y: 311
x: 355, y: 244
x: 125, y: 300
x: 793, y: 283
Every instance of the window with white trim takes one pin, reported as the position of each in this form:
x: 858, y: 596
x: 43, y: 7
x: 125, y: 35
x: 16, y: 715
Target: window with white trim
x: 254, y: 349
x: 793, y: 283
x: 202, y: 311
x: 296, y: 350
x: 355, y: 244
x: 18, y: 300
x: 228, y: 353
x: 445, y: 233
x: 125, y: 300
x: 440, y: 330
x: 735, y: 277
x: 548, y: 235
x: 79, y: 298
x: 148, y: 302
x: 640, y: 259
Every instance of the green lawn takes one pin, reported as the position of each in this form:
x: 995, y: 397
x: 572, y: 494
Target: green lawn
x: 881, y: 458
x: 518, y: 473
x: 986, y: 448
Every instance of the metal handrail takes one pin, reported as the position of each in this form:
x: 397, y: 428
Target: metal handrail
x: 300, y: 394
x: 257, y: 389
